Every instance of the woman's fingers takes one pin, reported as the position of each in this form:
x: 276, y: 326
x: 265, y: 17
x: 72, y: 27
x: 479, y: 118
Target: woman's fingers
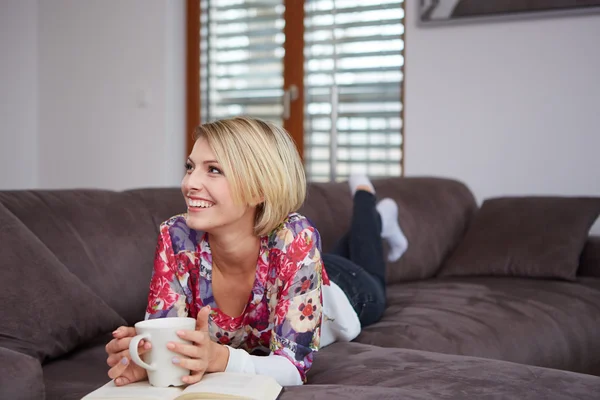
x: 199, y: 337
x: 118, y: 369
x: 118, y: 345
x: 122, y: 380
x: 193, y: 364
x: 189, y: 350
x: 115, y: 358
x: 124, y: 331
x: 193, y: 378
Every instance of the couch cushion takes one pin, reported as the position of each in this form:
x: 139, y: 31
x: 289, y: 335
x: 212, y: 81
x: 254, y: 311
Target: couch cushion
x: 358, y: 371
x: 107, y: 239
x: 589, y: 264
x: 537, y: 322
x: 537, y: 237
x: 20, y: 376
x: 434, y: 214
x: 47, y: 311
x: 79, y: 373
x: 365, y: 371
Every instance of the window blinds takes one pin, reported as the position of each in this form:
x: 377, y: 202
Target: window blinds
x: 352, y: 84
x: 353, y: 74
x: 241, y: 59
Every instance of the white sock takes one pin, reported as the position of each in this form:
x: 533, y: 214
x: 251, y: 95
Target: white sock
x: 390, y: 229
x: 356, y: 180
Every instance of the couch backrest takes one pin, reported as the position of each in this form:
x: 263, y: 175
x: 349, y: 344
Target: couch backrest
x: 589, y: 264
x: 433, y: 214
x: 106, y: 239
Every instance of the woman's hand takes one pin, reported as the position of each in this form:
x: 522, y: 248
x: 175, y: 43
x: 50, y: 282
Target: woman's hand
x: 203, y: 355
x: 123, y: 370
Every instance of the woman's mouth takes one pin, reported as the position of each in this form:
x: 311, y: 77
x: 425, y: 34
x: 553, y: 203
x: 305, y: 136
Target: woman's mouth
x: 196, y: 205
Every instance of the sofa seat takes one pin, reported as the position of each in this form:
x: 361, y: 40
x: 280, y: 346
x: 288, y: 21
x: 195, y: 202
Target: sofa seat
x: 78, y: 373
x: 547, y: 323
x: 359, y: 371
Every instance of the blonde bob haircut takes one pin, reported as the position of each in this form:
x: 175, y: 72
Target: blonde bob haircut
x: 262, y: 165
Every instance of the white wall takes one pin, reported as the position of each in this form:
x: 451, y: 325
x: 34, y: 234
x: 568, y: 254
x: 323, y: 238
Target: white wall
x: 18, y: 94
x: 111, y: 93
x: 509, y: 107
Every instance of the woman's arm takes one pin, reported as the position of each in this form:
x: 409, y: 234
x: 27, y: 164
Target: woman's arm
x: 298, y: 304
x: 166, y: 297
x: 279, y: 367
x: 297, y: 309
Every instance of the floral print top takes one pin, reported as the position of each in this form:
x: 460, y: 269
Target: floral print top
x: 284, y: 311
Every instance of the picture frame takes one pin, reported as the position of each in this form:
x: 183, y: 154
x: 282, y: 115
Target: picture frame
x: 434, y: 12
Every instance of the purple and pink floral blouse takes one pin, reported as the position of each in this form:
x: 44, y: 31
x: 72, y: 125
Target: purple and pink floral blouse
x: 283, y: 315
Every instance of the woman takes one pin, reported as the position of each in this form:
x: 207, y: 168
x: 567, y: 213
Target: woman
x: 249, y: 268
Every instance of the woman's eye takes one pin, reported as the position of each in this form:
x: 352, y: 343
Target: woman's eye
x: 214, y: 170
x: 188, y: 167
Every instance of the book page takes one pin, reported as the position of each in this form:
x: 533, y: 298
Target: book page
x: 229, y: 385
x: 139, y: 390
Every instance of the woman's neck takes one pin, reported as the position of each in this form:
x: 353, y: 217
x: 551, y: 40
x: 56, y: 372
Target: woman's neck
x: 234, y: 253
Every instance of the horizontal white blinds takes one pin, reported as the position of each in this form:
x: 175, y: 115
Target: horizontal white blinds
x: 353, y: 74
x: 241, y: 59
x: 352, y: 84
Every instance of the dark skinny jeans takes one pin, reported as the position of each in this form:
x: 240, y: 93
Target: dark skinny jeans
x: 357, y: 265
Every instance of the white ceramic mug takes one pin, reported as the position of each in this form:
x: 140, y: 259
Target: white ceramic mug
x: 159, y: 360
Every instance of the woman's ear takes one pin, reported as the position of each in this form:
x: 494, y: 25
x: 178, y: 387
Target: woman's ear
x: 258, y: 201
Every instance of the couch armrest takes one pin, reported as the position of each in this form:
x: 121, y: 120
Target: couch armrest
x: 21, y: 376
x: 589, y: 264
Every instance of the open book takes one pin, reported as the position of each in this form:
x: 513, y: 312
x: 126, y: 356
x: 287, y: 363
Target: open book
x: 214, y: 386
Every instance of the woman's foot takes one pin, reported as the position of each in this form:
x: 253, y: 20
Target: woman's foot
x: 360, y: 182
x: 390, y: 229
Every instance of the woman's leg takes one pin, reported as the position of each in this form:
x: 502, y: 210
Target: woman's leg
x: 363, y: 290
x: 357, y: 264
x: 364, y: 239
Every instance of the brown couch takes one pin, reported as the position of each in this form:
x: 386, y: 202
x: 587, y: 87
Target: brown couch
x: 76, y: 264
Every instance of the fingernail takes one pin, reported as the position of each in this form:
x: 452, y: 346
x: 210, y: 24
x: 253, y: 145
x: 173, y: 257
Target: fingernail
x: 181, y: 333
x: 170, y: 346
x: 176, y: 360
x: 119, y: 381
x: 141, y: 342
x: 124, y: 360
x: 115, y: 331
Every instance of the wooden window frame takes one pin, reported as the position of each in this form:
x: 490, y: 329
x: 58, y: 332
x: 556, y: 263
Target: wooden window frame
x: 293, y: 73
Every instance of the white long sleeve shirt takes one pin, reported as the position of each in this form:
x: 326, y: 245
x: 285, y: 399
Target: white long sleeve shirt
x: 340, y: 324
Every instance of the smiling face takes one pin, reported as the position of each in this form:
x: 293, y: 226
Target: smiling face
x: 208, y: 196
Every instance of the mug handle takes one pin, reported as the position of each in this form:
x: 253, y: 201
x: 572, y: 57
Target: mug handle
x: 133, y: 352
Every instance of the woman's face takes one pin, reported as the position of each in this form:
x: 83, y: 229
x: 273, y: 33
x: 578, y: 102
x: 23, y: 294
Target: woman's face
x: 208, y: 195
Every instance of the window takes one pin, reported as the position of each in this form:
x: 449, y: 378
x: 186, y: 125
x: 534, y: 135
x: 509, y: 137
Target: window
x: 340, y: 61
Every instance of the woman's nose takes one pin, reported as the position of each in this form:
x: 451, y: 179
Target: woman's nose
x: 192, y: 183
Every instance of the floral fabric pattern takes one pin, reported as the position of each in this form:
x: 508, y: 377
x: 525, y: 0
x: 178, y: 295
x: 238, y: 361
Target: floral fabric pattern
x: 284, y: 311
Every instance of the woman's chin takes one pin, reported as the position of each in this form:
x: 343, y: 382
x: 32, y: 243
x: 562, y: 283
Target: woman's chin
x: 194, y: 223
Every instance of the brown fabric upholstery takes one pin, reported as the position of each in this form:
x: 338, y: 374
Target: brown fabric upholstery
x: 20, y: 376
x: 433, y: 214
x: 426, y: 375
x: 70, y: 233
x: 536, y: 237
x: 589, y: 264
x: 91, y: 232
x: 359, y: 371
x: 76, y: 374
x: 47, y: 311
x: 552, y: 324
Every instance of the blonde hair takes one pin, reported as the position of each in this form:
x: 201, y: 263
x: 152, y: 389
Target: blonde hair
x: 262, y: 165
